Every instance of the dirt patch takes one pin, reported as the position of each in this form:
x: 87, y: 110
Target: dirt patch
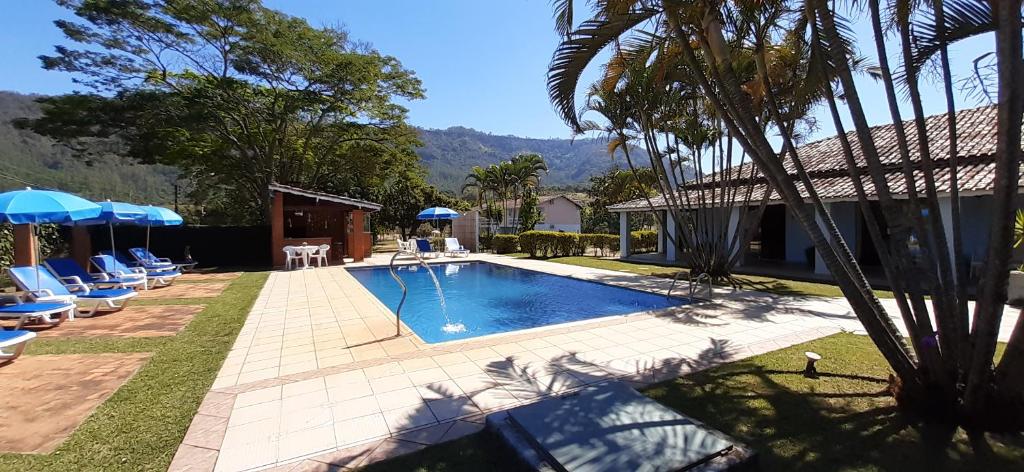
x: 133, y: 321
x: 197, y: 290
x: 49, y: 396
x: 210, y: 277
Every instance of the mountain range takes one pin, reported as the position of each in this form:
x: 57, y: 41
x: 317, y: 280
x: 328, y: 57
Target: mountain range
x: 448, y: 155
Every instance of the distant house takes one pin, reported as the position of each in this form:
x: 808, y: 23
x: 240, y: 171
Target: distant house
x: 780, y: 242
x: 559, y: 213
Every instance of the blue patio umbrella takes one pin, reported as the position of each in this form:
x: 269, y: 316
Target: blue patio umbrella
x: 35, y: 207
x: 159, y: 216
x: 115, y: 212
x: 437, y: 213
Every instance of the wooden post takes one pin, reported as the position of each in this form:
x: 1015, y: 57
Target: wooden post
x: 357, y: 248
x: 24, y: 246
x: 81, y: 245
x: 277, y: 229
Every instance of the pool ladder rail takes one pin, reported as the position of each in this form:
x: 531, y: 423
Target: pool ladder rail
x: 693, y: 283
x: 405, y: 290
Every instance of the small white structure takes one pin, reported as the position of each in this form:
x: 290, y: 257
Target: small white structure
x: 558, y: 213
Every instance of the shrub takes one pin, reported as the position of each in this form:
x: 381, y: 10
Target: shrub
x: 549, y: 243
x: 504, y: 243
x: 605, y: 244
x: 643, y: 241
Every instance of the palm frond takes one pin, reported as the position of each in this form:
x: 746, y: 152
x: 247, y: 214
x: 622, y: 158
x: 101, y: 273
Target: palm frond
x: 563, y: 16
x: 578, y: 50
x: 963, y: 19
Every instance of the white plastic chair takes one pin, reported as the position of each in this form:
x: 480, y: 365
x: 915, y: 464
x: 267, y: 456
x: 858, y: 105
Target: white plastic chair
x: 292, y: 254
x: 453, y: 248
x: 321, y: 255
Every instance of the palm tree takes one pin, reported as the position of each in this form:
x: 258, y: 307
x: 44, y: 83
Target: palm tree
x: 525, y: 169
x: 760, y: 66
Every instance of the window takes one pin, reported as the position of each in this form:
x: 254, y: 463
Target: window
x: 366, y: 222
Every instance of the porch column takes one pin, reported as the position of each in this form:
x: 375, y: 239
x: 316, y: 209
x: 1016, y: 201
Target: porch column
x: 24, y: 246
x: 624, y: 235
x: 672, y: 241
x: 661, y: 238
x: 277, y: 229
x: 946, y: 212
x: 819, y: 263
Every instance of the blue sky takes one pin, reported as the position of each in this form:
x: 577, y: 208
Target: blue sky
x: 483, y: 63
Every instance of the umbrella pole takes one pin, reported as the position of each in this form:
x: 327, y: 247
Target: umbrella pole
x: 148, y: 226
x: 38, y: 251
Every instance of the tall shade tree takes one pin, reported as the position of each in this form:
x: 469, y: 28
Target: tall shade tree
x: 235, y: 94
x: 739, y: 55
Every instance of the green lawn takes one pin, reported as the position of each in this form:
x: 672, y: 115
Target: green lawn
x: 844, y: 420
x: 141, y: 425
x: 748, y: 282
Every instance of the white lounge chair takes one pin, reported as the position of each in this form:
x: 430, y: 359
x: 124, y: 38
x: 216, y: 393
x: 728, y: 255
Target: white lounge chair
x: 454, y: 249
x: 12, y: 343
x: 13, y: 307
x: 423, y: 249
x: 69, y: 271
x: 42, y: 286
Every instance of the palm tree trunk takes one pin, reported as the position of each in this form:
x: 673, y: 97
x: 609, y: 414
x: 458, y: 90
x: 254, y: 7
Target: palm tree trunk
x: 992, y: 292
x: 734, y: 105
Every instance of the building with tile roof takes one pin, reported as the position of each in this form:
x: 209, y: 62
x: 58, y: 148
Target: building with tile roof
x: 779, y: 237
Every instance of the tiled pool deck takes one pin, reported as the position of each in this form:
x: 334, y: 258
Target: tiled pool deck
x: 317, y: 378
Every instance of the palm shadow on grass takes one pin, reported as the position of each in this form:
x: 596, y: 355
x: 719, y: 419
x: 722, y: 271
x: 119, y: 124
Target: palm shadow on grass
x: 844, y: 420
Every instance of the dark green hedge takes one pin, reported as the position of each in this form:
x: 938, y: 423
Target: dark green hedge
x: 505, y: 243
x: 643, y: 241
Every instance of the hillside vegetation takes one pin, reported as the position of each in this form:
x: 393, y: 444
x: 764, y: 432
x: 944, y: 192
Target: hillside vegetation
x: 447, y: 154
x: 36, y: 160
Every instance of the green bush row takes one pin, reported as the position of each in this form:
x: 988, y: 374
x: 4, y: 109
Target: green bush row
x: 643, y: 241
x: 557, y: 244
x: 549, y: 243
x: 504, y: 243
x: 605, y: 244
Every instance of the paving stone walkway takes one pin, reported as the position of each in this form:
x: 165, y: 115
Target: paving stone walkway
x: 318, y: 378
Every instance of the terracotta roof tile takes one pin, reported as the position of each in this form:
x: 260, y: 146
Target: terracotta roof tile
x: 824, y: 161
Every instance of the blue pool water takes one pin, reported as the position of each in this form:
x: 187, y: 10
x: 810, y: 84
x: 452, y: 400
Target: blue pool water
x: 491, y: 298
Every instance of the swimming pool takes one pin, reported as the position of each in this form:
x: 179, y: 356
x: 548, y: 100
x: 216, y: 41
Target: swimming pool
x: 491, y: 298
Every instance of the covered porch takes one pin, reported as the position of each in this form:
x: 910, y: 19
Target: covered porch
x: 304, y: 217
x: 779, y: 246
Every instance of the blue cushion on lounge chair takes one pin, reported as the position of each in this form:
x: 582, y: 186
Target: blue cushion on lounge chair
x: 34, y: 307
x: 69, y: 268
x: 423, y: 245
x: 37, y: 278
x: 107, y: 293
x: 143, y: 255
x: 164, y: 273
x: 14, y: 336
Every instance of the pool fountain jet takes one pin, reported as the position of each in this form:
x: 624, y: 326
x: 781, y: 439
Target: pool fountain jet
x: 449, y: 326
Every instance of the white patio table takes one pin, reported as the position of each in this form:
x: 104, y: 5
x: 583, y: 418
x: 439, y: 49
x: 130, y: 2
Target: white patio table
x: 306, y: 250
